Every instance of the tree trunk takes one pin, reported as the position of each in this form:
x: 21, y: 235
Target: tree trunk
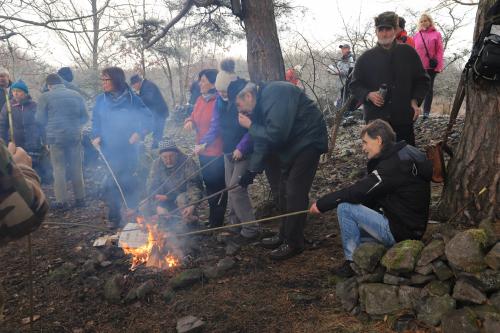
x: 265, y: 61
x: 476, y: 164
x: 95, y: 47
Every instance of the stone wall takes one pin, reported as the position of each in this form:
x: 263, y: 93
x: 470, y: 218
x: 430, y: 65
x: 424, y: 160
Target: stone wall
x: 452, y: 281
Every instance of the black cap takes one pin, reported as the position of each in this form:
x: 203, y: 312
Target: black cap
x: 343, y: 46
x: 235, y: 87
x: 65, y: 73
x: 136, y: 78
x: 387, y: 19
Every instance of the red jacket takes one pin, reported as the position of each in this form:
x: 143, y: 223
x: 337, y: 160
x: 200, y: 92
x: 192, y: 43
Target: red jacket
x: 201, y: 117
x: 403, y: 38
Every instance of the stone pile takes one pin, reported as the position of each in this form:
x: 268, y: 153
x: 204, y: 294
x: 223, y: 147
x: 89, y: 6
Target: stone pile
x: 453, y: 280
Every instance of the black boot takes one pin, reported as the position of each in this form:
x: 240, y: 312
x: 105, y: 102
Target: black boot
x: 271, y: 242
x: 285, y: 251
x: 344, y: 270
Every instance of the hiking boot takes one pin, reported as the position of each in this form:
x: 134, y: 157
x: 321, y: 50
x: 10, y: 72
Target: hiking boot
x: 344, y: 270
x: 425, y: 116
x: 271, y: 242
x: 285, y: 251
x: 79, y: 203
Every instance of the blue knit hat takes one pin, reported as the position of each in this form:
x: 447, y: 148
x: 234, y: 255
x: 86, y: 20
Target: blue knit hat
x: 65, y: 73
x: 20, y: 85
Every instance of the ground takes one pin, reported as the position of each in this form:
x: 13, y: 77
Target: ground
x: 257, y: 295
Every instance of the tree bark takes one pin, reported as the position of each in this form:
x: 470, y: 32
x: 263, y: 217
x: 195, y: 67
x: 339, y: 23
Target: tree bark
x: 265, y: 61
x: 476, y: 163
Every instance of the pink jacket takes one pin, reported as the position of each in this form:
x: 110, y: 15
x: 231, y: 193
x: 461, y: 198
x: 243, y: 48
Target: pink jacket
x: 434, y: 44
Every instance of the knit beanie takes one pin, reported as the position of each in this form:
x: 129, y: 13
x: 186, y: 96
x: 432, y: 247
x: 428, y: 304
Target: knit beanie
x: 226, y: 75
x: 136, y: 78
x: 21, y: 86
x: 66, y: 74
x: 167, y: 144
x: 235, y: 87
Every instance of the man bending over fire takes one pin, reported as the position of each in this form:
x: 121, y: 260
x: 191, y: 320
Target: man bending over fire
x: 175, y: 181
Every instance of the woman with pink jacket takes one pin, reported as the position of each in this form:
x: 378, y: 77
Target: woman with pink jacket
x: 429, y: 46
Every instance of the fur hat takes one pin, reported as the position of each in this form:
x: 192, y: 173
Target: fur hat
x: 226, y: 75
x: 66, y: 74
x: 235, y: 87
x: 19, y: 84
x: 387, y: 19
x: 167, y: 144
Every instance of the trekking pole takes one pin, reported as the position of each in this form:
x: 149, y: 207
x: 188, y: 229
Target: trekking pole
x: 30, y: 252
x: 112, y: 175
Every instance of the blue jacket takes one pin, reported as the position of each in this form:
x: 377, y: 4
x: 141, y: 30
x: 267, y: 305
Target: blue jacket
x: 116, y: 118
x: 152, y: 97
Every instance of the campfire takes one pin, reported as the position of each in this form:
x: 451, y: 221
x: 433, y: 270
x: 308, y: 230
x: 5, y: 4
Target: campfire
x: 149, y: 245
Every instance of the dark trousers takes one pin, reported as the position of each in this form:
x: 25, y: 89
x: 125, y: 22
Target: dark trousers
x: 158, y: 128
x: 293, y: 187
x: 214, y: 179
x: 405, y: 132
x: 430, y: 93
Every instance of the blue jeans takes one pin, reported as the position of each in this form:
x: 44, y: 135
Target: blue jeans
x: 355, y: 221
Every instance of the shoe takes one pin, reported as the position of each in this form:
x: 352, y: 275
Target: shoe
x: 425, y: 116
x: 285, y: 251
x: 79, y: 203
x: 271, y: 242
x: 61, y: 206
x: 344, y: 270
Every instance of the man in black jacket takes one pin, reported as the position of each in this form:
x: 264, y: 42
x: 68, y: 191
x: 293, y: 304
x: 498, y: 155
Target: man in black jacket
x: 396, y: 71
x: 391, y: 203
x: 284, y: 122
x: 152, y: 97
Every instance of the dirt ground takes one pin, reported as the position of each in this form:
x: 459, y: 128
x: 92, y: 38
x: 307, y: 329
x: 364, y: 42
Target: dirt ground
x: 258, y: 295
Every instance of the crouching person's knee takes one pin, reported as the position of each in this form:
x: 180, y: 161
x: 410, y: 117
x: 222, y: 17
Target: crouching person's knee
x: 344, y: 208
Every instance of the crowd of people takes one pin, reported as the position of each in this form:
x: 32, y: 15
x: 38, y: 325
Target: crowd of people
x: 242, y: 129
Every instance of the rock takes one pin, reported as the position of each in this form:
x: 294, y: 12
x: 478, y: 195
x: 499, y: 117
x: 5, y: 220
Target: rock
x: 438, y: 288
x: 210, y: 272
x: 232, y: 249
x: 461, y: 320
x: 405, y: 323
x: 168, y: 295
x: 368, y: 255
x: 395, y: 280
x: 89, y: 267
x: 432, y: 309
x: 409, y: 297
x: 185, y: 278
x: 113, y: 288
x: 347, y: 291
x: 495, y: 300
x: 225, y: 264
x: 375, y: 277
x: 442, y: 271
x: 492, y: 259
x: 189, y: 324
x: 106, y: 263
x: 491, y: 323
x: 445, y: 232
x: 465, y: 250
x: 418, y: 279
x: 465, y: 292
x: 62, y: 272
x: 424, y: 270
x: 487, y: 281
x: 145, y: 289
x: 223, y: 237
x: 402, y: 256
x: 488, y: 228
x: 483, y: 310
x: 302, y: 298
x: 379, y: 299
x: 431, y: 252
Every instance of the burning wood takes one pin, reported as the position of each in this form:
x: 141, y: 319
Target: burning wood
x: 149, y: 245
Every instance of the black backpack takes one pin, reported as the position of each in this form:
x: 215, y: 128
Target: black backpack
x: 485, y: 57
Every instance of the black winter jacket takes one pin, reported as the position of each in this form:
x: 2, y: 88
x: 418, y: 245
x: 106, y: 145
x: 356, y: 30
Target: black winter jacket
x: 285, y: 122
x: 401, y: 69
x: 152, y: 97
x: 398, y: 183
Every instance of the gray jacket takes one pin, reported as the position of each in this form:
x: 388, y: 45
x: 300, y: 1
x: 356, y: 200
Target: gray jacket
x: 63, y: 113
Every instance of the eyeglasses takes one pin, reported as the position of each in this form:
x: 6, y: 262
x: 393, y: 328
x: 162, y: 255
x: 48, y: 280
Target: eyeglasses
x: 104, y: 79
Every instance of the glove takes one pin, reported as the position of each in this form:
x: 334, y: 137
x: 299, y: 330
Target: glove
x: 247, y: 178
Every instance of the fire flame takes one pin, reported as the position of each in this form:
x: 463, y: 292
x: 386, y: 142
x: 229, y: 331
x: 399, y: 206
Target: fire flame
x: 154, y: 253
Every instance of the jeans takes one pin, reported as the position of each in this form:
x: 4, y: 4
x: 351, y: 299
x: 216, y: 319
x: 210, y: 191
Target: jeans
x: 356, y: 220
x: 70, y: 155
x: 240, y: 206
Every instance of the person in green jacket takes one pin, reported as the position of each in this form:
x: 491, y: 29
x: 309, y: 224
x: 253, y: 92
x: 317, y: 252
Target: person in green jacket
x: 284, y: 122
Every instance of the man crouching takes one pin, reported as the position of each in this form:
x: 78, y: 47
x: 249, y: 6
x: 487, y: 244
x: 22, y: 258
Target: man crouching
x: 174, y: 182
x: 388, y: 205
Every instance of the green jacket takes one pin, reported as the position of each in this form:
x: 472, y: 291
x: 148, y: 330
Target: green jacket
x: 22, y: 203
x: 171, y: 178
x: 285, y: 121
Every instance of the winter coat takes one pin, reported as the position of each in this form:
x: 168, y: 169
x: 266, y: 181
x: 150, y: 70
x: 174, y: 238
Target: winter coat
x: 27, y: 131
x: 2, y: 96
x: 403, y: 38
x: 201, y: 117
x: 401, y: 69
x: 62, y: 112
x: 398, y: 182
x: 190, y: 190
x: 434, y: 43
x: 345, y: 66
x: 285, y: 122
x: 152, y: 97
x: 116, y: 117
x: 22, y: 202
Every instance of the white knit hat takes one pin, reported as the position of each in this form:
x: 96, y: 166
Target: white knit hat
x: 226, y: 75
